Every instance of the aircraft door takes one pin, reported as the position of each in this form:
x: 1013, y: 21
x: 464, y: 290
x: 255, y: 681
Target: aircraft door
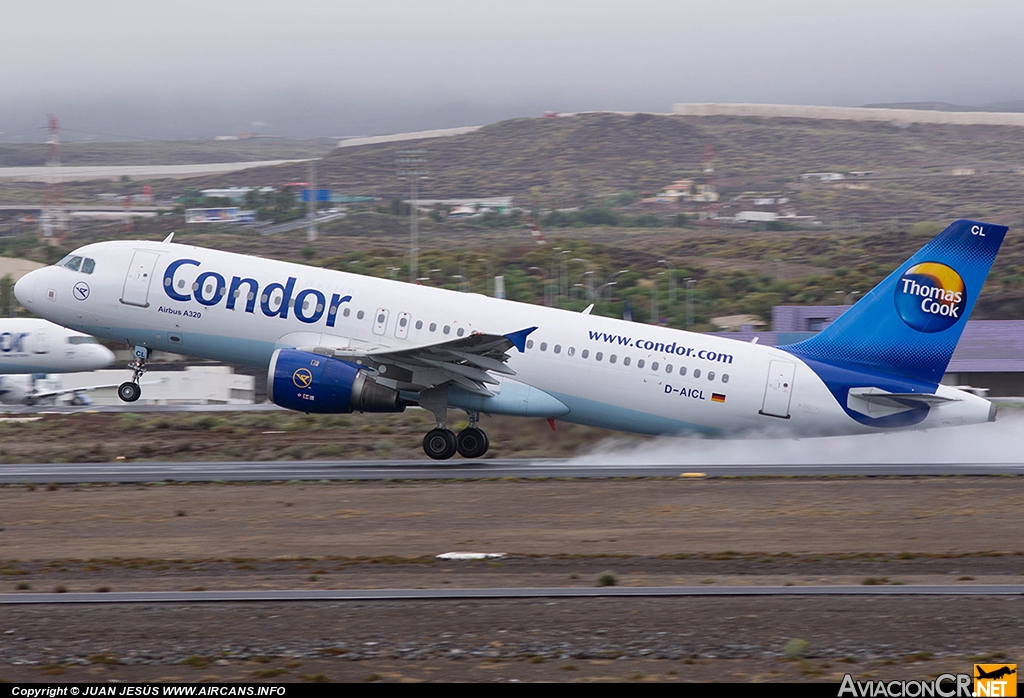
x: 402, y: 327
x: 380, y: 321
x: 140, y: 274
x: 779, y: 389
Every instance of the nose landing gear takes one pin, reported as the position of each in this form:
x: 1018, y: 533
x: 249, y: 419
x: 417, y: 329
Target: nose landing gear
x: 129, y: 391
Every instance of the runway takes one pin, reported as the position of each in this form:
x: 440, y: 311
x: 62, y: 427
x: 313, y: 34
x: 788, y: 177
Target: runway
x: 269, y: 471
x: 277, y: 595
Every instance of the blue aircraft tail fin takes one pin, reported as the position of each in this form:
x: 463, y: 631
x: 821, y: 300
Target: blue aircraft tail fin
x: 910, y: 323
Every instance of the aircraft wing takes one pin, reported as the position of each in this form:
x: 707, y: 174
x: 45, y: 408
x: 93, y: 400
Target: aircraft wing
x: 40, y: 394
x: 468, y: 362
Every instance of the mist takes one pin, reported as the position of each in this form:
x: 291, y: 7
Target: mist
x: 319, y: 68
x: 993, y: 442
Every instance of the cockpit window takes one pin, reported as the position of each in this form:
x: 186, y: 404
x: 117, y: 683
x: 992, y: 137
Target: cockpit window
x: 82, y: 340
x: 74, y: 262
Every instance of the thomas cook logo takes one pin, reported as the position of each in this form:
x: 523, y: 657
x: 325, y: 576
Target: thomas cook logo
x: 302, y: 378
x: 995, y: 680
x: 930, y: 297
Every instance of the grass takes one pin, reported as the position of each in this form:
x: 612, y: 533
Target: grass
x: 197, y: 662
x: 795, y: 648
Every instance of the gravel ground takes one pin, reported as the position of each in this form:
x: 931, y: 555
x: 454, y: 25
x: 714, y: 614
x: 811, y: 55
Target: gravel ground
x: 556, y: 533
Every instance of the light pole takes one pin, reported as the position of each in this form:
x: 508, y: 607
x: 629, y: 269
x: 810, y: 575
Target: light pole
x: 547, y: 284
x: 490, y: 274
x: 608, y: 283
x: 411, y: 164
x: 557, y: 271
x: 671, y: 280
x: 590, y: 268
x: 689, y: 302
x: 654, y: 300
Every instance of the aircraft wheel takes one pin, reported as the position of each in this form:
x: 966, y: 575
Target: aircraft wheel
x: 472, y: 442
x: 439, y: 444
x: 129, y: 392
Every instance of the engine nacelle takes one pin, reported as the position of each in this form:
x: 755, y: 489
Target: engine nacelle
x: 308, y: 382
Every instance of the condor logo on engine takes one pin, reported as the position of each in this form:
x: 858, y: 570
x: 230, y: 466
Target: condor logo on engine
x: 930, y: 297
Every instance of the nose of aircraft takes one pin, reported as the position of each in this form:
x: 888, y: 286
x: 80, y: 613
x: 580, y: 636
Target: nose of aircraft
x: 24, y: 290
x: 105, y: 356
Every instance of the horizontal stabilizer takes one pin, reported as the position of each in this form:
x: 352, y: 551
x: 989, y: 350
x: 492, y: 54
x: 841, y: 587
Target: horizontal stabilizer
x: 875, y: 402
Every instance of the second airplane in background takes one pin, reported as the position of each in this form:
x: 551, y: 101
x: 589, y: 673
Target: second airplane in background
x: 31, y: 348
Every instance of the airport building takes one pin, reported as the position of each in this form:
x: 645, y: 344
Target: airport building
x: 990, y: 353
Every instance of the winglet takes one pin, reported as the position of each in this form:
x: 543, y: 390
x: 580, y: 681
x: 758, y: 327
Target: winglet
x: 169, y: 237
x: 518, y: 339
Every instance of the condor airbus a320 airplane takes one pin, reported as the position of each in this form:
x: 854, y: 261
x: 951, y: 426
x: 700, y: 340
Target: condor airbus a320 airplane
x: 338, y: 342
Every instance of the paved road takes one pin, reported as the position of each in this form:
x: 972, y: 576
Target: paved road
x: 298, y: 223
x: 76, y: 173
x: 424, y: 469
x: 506, y: 593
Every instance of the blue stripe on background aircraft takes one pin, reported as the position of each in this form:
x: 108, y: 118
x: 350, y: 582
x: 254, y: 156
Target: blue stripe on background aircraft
x: 31, y: 348
x: 337, y: 342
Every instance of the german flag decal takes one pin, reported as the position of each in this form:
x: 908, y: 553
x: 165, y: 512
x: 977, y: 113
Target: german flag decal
x: 717, y: 397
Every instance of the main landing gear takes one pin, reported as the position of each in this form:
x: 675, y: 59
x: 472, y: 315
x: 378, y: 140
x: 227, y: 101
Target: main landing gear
x: 129, y: 391
x: 442, y: 443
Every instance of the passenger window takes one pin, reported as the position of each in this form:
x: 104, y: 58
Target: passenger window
x: 380, y: 319
x: 696, y: 373
x: 88, y: 266
x: 543, y: 346
x: 360, y: 315
x: 419, y: 324
x: 447, y: 329
x: 654, y: 366
x: 625, y: 361
x: 725, y: 377
x: 529, y: 344
x: 682, y: 370
x: 461, y: 331
x: 558, y: 348
x: 711, y: 375
x: 347, y: 312
x: 598, y: 356
x: 612, y: 359
x: 668, y: 368
x: 433, y: 326
x: 586, y: 353
x: 403, y: 321
x: 640, y: 363
x: 571, y: 351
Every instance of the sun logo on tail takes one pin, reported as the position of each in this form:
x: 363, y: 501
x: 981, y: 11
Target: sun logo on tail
x: 930, y: 297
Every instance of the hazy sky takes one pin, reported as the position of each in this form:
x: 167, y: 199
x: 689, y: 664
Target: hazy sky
x: 314, y: 67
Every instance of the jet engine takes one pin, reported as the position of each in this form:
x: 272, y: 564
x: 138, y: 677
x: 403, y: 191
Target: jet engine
x: 308, y: 382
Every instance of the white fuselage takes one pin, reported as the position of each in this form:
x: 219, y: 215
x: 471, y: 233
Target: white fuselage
x: 31, y: 345
x: 607, y: 372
